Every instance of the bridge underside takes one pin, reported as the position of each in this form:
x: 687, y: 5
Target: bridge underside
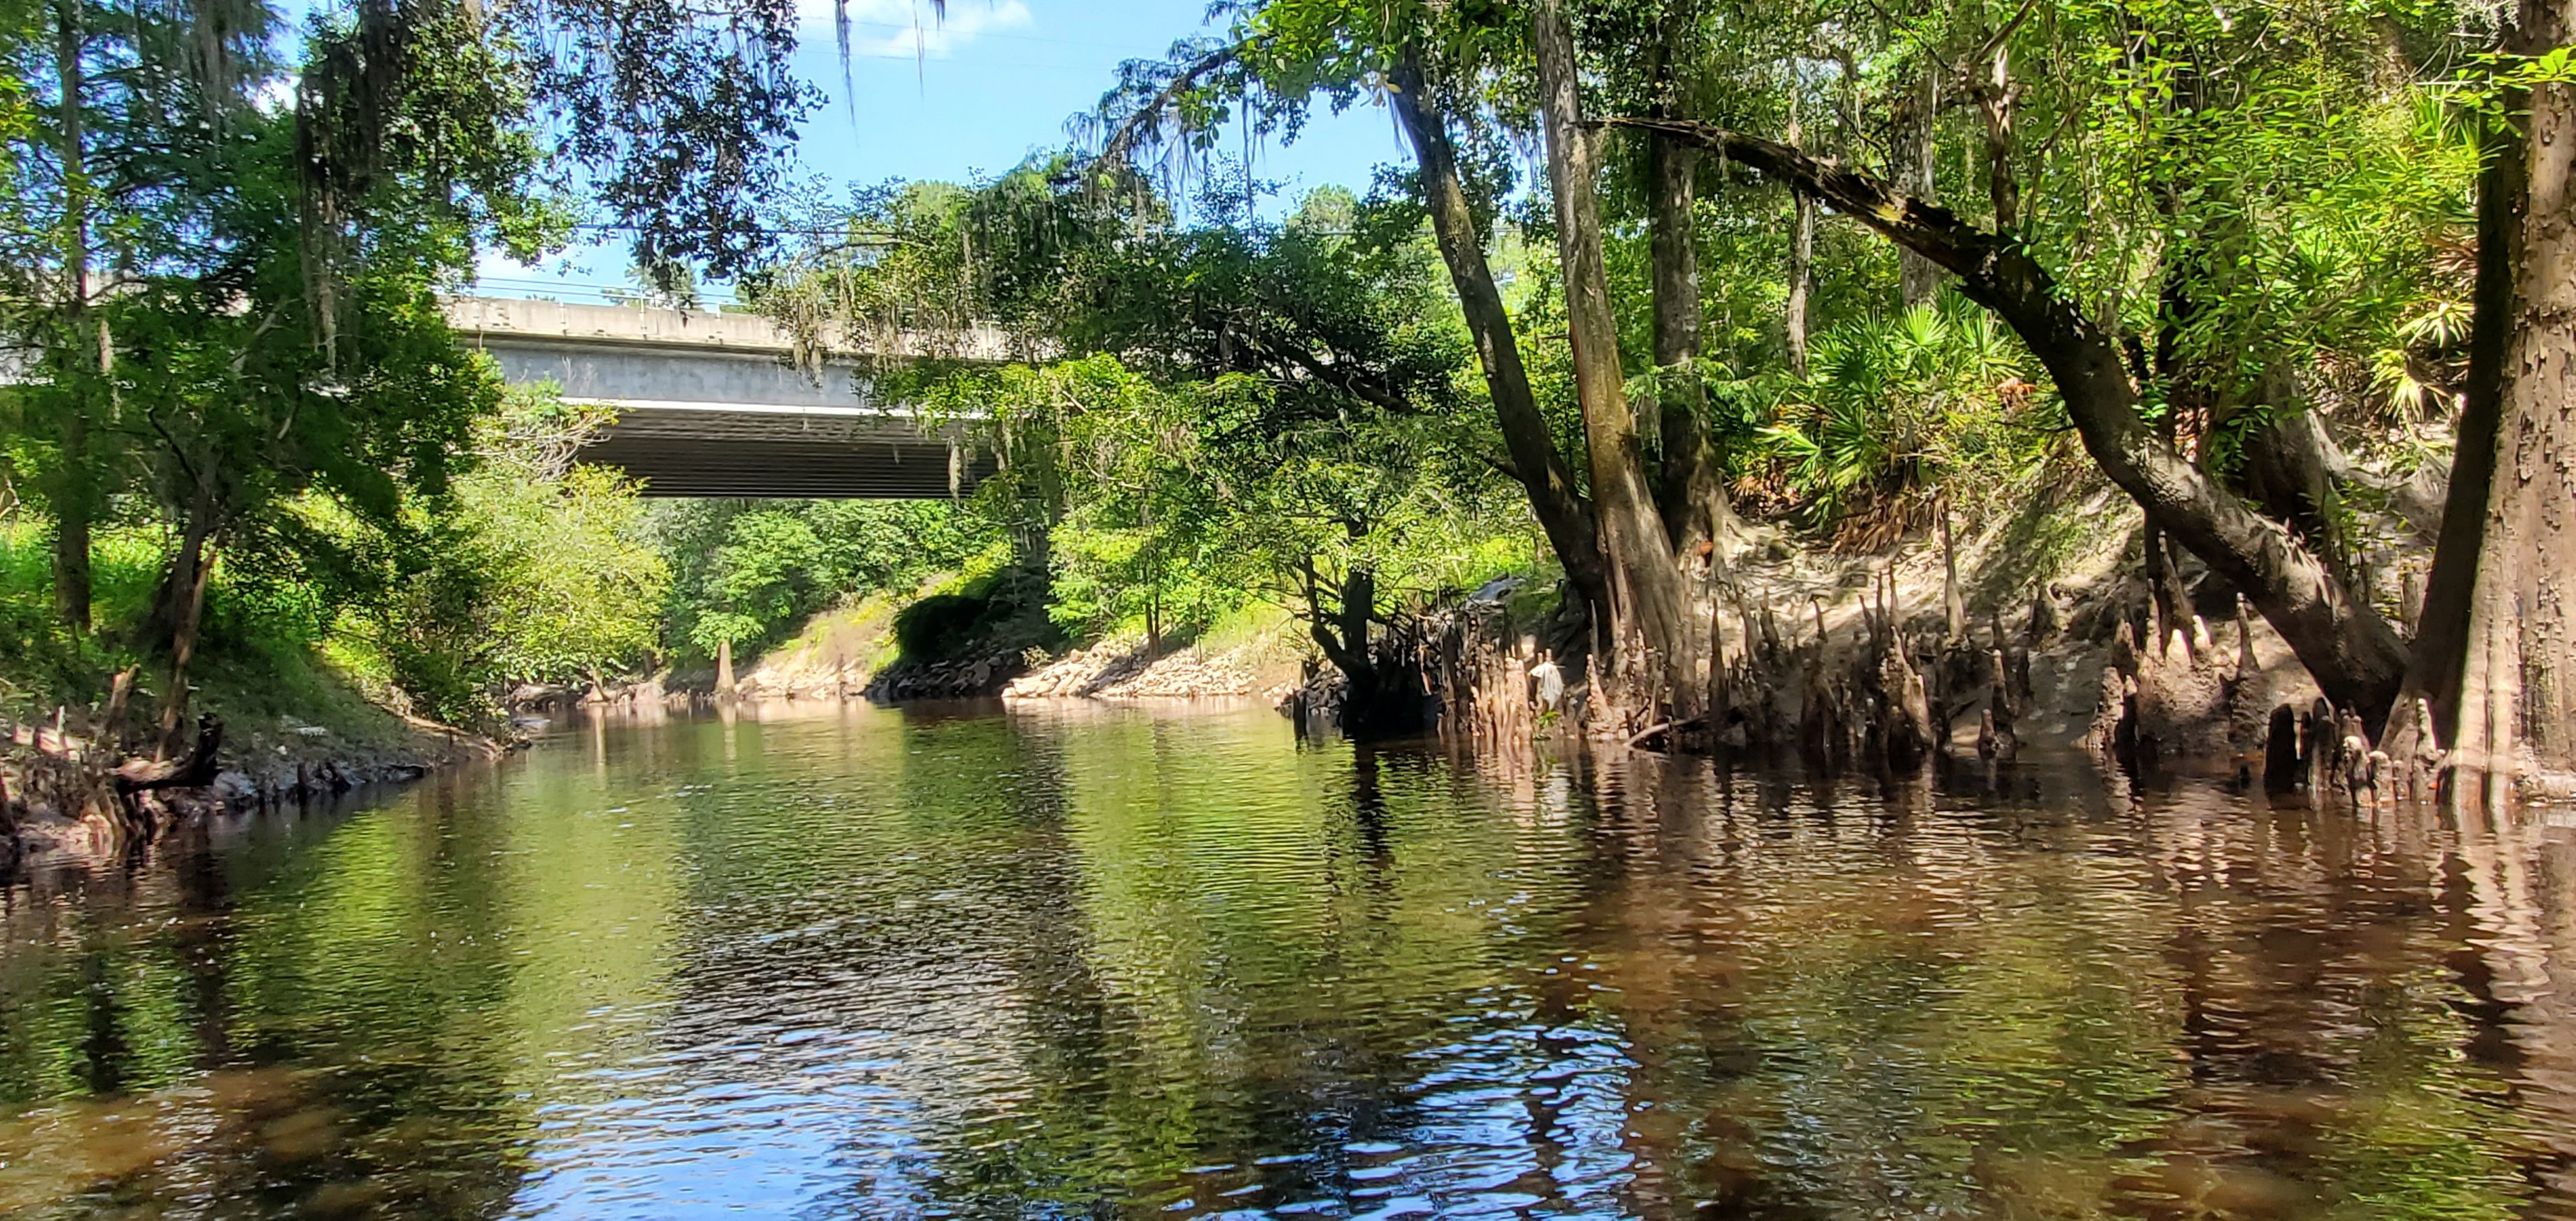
x: 712, y: 404
x: 731, y: 450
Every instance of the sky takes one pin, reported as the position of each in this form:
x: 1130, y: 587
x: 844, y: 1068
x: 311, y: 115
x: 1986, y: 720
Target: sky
x: 978, y: 92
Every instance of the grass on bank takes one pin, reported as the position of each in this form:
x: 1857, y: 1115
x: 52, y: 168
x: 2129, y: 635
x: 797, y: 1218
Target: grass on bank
x: 267, y: 663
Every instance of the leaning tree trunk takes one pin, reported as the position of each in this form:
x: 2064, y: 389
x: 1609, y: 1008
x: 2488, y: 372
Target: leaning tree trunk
x: 1542, y: 471
x: 1646, y: 595
x: 2517, y: 715
x: 2355, y: 656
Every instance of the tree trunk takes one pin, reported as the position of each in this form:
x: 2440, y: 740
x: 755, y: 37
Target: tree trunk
x: 73, y: 490
x: 724, y: 667
x: 2431, y: 702
x: 1802, y: 276
x: 2355, y: 656
x: 2287, y: 466
x: 1996, y: 96
x: 1359, y: 599
x: 1954, y: 608
x: 1687, y: 495
x: 1688, y: 490
x: 2517, y: 717
x: 1646, y: 596
x: 1542, y: 471
x: 1802, y: 256
x: 1153, y: 623
x: 1378, y: 700
x: 183, y: 608
x: 1918, y: 278
x: 69, y: 500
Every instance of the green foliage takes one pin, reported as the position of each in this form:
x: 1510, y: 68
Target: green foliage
x: 1893, y: 409
x: 41, y: 667
x: 532, y: 569
x: 1182, y: 502
x: 1225, y: 412
x: 2263, y: 201
x: 225, y: 313
x: 748, y: 572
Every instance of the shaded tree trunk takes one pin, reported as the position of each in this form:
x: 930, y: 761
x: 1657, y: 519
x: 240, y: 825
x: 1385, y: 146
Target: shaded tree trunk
x: 1688, y: 491
x: 2517, y: 703
x: 73, y: 491
x: 1382, y: 694
x: 2431, y: 703
x: 1687, y: 494
x: 1541, y: 470
x: 1646, y: 595
x: 2355, y: 656
x: 182, y: 608
x: 69, y: 499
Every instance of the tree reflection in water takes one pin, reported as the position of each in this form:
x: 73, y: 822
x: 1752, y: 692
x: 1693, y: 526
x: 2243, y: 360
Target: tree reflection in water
x: 1084, y: 960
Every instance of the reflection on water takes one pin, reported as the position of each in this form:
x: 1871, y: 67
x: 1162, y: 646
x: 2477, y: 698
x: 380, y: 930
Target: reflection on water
x: 1079, y: 962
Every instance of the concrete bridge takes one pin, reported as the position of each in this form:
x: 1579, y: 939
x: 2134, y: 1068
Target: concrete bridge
x: 709, y: 404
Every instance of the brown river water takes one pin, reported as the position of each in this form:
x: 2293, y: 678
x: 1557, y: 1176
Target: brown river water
x: 1102, y: 962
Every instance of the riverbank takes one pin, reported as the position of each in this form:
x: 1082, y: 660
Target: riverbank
x: 71, y: 801
x: 2056, y: 599
x: 2058, y: 602
x: 1263, y: 663
x: 854, y: 652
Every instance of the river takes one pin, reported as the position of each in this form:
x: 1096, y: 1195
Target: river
x: 1089, y: 961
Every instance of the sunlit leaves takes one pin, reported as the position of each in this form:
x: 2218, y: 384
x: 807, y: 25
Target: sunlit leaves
x: 1894, y: 409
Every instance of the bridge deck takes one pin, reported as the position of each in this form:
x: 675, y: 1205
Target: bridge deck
x: 709, y: 404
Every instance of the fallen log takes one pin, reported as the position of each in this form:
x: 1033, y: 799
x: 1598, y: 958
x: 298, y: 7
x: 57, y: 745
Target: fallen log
x: 194, y: 770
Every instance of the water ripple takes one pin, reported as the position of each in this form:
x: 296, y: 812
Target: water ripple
x: 1070, y: 962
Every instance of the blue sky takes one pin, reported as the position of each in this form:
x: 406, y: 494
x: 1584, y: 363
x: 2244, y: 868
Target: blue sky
x: 995, y: 81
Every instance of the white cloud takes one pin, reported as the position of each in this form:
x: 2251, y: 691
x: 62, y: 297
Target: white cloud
x: 904, y: 29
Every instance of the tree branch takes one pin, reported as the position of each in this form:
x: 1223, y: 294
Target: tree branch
x: 2356, y: 657
x: 1115, y: 149
x: 1353, y: 382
